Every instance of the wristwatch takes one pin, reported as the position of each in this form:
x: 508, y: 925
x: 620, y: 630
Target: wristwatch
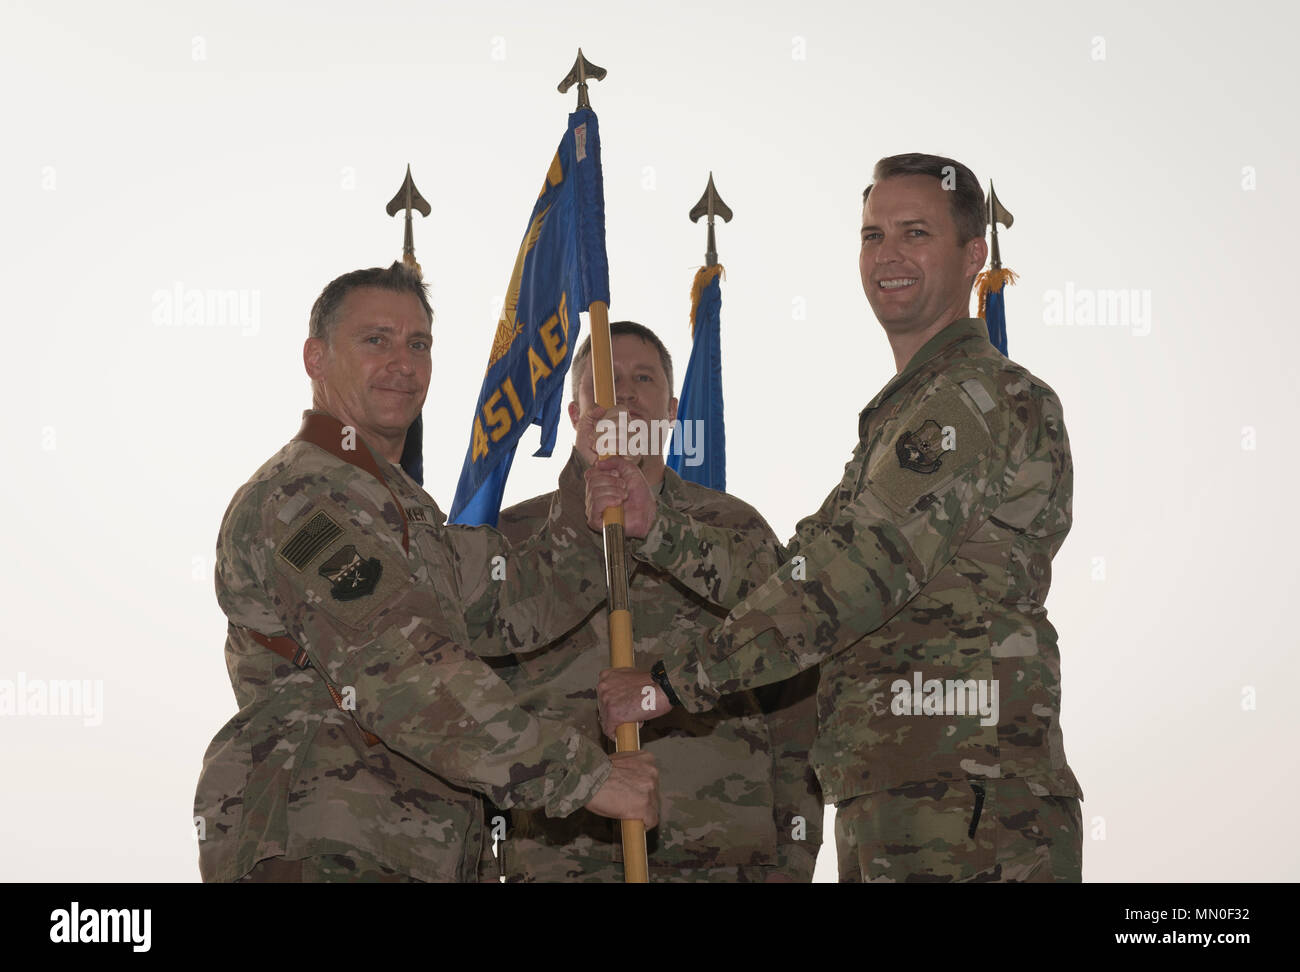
x: 660, y: 675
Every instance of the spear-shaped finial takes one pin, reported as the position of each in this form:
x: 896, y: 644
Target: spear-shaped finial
x: 711, y: 205
x: 581, y: 71
x: 997, y: 214
x: 408, y: 198
x: 990, y: 282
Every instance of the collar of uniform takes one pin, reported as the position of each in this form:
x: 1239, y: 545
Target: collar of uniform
x: 572, y: 494
x: 324, y: 431
x: 961, y: 330
x: 571, y: 478
x: 417, y: 492
x: 672, y: 489
x: 967, y: 328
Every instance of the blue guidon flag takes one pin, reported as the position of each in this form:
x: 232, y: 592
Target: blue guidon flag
x: 560, y: 270
x: 995, y: 318
x: 990, y: 284
x: 699, y: 408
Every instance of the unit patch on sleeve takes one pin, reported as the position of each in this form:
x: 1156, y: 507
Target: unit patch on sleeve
x: 351, y: 575
x: 921, y: 451
x: 938, y: 441
x: 303, y: 547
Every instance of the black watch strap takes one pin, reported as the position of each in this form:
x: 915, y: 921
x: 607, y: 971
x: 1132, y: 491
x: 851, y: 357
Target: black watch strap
x: 660, y: 675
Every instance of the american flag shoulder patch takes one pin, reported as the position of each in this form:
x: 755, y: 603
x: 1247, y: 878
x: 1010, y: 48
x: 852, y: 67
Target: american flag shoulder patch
x: 310, y: 541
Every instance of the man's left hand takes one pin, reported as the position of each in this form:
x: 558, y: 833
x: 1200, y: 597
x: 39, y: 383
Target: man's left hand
x: 627, y: 695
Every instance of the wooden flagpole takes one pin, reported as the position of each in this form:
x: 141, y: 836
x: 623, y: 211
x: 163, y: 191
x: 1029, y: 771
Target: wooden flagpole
x: 635, y: 865
x: 627, y: 738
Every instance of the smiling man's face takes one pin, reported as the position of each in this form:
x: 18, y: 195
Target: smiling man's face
x: 373, y: 373
x: 914, y: 271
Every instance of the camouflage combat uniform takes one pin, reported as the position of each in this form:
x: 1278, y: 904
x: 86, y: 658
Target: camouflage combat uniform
x: 929, y: 563
x: 314, y: 547
x: 738, y: 798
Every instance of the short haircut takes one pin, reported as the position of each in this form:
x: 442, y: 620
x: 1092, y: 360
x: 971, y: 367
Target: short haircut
x: 398, y: 278
x: 966, y: 202
x: 615, y: 329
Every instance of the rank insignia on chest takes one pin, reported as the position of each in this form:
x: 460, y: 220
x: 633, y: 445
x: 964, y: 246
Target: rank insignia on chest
x: 921, y: 451
x: 352, y: 575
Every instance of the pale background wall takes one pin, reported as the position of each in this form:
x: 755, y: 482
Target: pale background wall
x: 225, y: 147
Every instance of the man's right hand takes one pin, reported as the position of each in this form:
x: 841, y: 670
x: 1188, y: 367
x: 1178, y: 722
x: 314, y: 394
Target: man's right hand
x: 632, y: 791
x: 587, y: 432
x: 617, y: 481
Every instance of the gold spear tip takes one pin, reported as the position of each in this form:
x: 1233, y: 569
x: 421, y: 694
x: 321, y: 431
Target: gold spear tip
x: 710, y: 204
x: 582, y: 70
x: 408, y: 197
x: 997, y: 213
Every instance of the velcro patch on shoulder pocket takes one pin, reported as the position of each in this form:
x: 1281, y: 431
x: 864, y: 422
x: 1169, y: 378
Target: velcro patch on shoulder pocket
x: 934, y: 443
x: 336, y: 565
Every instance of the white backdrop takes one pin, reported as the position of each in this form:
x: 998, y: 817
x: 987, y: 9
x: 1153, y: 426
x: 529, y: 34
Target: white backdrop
x: 160, y: 154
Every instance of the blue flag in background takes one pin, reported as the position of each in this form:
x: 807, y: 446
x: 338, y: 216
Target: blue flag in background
x: 995, y: 318
x: 700, y: 402
x: 561, y: 269
x: 993, y: 308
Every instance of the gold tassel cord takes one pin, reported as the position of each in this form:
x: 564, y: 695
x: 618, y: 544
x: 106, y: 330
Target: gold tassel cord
x: 992, y: 281
x: 703, y: 277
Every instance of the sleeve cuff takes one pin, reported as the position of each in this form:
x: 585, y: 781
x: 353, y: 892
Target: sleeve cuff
x: 660, y: 544
x: 685, y: 671
x: 585, y: 768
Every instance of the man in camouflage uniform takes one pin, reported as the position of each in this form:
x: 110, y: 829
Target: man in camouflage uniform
x: 367, y: 726
x: 919, y: 584
x: 739, y: 801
